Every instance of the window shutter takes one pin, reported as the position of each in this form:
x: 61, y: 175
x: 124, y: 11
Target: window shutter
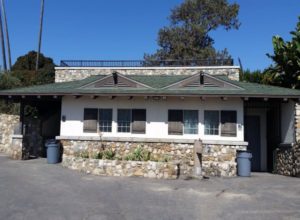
x: 228, y: 123
x: 175, y: 123
x: 139, y: 121
x: 90, y: 120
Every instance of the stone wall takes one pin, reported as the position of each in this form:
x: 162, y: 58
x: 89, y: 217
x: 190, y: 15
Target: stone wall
x: 287, y: 160
x: 159, y: 151
x: 220, y: 160
x: 7, y: 125
x: 16, y: 148
x: 149, y: 169
x: 65, y: 74
x: 217, y: 160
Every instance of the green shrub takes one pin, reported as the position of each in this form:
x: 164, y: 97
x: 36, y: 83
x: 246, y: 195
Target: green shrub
x: 83, y: 154
x: 109, y: 154
x: 98, y: 155
x: 139, y: 154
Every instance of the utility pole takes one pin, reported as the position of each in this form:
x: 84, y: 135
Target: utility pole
x: 6, y: 33
x: 2, y: 43
x: 40, y: 35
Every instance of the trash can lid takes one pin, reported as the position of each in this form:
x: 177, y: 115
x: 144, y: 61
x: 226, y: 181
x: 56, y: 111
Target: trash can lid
x: 244, y: 154
x: 51, y: 141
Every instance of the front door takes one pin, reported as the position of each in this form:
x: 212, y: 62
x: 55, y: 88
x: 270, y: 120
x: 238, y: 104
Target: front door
x: 252, y: 136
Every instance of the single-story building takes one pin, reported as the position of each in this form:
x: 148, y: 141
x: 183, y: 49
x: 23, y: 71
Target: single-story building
x: 164, y: 109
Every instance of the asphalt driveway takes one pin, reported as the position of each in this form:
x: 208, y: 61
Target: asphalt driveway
x: 35, y: 190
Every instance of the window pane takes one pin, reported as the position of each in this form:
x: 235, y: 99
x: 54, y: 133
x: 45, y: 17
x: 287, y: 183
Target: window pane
x: 175, y: 122
x: 105, y: 120
x: 90, y: 117
x: 211, y: 122
x: 124, y: 120
x: 139, y: 121
x: 190, y: 121
x: 228, y: 123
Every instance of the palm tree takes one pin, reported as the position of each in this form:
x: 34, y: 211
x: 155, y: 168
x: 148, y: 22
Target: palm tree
x: 2, y: 43
x: 40, y: 35
x: 6, y: 33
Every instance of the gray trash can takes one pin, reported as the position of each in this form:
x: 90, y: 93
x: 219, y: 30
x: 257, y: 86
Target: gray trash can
x: 244, y: 163
x: 53, y: 151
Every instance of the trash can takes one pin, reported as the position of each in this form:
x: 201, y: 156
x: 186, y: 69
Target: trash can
x: 53, y: 151
x: 244, y: 163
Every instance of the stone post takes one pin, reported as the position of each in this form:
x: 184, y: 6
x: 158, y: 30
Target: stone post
x: 198, y: 149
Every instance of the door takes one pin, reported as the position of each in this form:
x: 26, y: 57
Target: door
x: 252, y: 136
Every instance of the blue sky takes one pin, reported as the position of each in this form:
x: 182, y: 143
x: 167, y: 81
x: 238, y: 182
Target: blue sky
x: 118, y: 29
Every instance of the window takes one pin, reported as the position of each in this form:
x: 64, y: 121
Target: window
x: 132, y: 120
x: 175, y: 125
x: 124, y: 120
x: 90, y: 117
x: 95, y: 120
x: 228, y: 123
x: 211, y: 122
x: 139, y: 121
x: 183, y: 121
x: 105, y: 120
x: 190, y: 121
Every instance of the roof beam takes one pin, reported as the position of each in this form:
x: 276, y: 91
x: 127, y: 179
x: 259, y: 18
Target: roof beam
x: 94, y: 97
x: 77, y: 96
x: 224, y: 98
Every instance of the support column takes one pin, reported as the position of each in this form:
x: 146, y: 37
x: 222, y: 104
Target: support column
x: 297, y: 122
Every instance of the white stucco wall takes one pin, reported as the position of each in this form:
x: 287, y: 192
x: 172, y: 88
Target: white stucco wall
x: 156, y: 115
x: 288, y: 122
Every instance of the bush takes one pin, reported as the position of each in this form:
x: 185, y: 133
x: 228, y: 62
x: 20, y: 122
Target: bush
x: 109, y: 154
x: 139, y: 154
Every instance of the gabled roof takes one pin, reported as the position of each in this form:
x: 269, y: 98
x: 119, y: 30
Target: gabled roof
x: 162, y: 85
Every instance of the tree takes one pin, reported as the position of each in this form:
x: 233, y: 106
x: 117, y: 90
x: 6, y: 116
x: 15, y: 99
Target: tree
x: 24, y: 69
x: 286, y: 69
x: 6, y: 34
x: 40, y: 35
x: 256, y: 76
x: 7, y: 81
x: 187, y: 37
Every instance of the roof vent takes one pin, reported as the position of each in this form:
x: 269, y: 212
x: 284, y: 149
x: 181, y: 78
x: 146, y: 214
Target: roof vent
x: 201, y: 78
x: 115, y: 77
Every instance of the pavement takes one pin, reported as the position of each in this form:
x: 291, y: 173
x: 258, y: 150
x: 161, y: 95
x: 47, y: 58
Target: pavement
x: 34, y: 190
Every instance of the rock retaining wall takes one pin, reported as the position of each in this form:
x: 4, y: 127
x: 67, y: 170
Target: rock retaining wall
x: 287, y: 160
x: 217, y: 160
x: 149, y: 169
x: 220, y: 160
x: 7, y: 126
x: 70, y: 74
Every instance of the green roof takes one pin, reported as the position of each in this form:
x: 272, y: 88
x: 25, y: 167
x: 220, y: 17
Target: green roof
x: 157, y: 86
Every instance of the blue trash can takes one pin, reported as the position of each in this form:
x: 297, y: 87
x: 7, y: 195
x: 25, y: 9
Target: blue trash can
x: 53, y: 151
x: 244, y: 163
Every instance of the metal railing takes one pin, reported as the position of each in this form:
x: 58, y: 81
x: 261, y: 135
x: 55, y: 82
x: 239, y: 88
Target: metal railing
x: 144, y: 63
